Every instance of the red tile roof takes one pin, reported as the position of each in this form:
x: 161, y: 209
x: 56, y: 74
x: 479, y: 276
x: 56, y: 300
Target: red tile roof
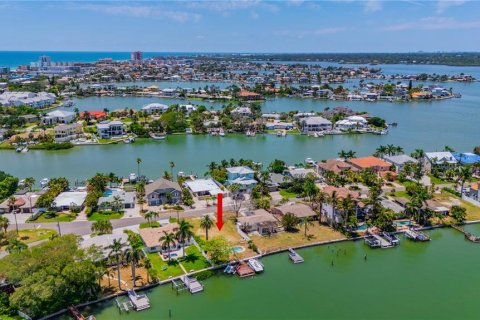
x: 369, y: 162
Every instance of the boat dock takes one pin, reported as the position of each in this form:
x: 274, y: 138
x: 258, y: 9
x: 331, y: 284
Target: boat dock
x: 124, y: 306
x: 294, y: 256
x: 243, y: 270
x: 416, y: 235
x: 469, y: 236
x: 139, y: 301
x: 77, y: 315
x: 384, y: 243
x: 192, y: 284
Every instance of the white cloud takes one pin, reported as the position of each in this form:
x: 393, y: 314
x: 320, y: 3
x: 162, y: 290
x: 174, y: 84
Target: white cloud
x: 372, y: 6
x: 139, y: 11
x: 310, y: 33
x: 434, y: 23
x: 231, y: 5
x: 443, y: 5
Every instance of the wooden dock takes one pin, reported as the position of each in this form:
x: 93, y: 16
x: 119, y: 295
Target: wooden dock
x: 192, y: 284
x: 139, y: 301
x: 77, y: 315
x: 469, y: 236
x: 244, y: 270
x: 384, y: 243
x: 294, y: 256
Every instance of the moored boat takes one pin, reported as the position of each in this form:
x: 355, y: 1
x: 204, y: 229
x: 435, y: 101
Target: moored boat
x: 255, y: 265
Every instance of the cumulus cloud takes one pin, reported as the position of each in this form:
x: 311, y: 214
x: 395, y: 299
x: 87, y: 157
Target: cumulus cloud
x: 139, y: 11
x: 443, y: 5
x: 434, y: 23
x: 372, y: 6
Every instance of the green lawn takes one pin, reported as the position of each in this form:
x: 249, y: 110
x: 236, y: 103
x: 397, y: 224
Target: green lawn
x: 95, y: 216
x: 153, y: 224
x: 5, y: 317
x: 286, y: 194
x: 164, y: 269
x: 402, y: 194
x: 59, y: 217
x: 32, y: 235
x: 437, y: 181
x: 194, y: 260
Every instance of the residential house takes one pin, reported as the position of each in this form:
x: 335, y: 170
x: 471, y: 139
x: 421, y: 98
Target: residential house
x: 473, y: 192
x: 24, y: 203
x: 151, y: 238
x: 103, y: 242
x: 466, y: 157
x: 249, y: 96
x: 163, y: 191
x: 58, y: 116
x: 69, y: 200
x: 314, y: 124
x: 242, y: 111
x: 110, y: 129
x: 300, y: 173
x: 260, y: 221
x: 277, y: 181
x: 127, y: 199
x: 441, y: 160
x: 436, y: 207
x: 400, y: 160
x: 279, y: 125
x: 370, y: 162
x: 203, y: 187
x: 341, y: 193
x: 244, y: 176
x: 336, y: 166
x: 97, y: 115
x: 299, y: 210
x: 351, y: 123
x: 67, y: 132
x: 155, y: 108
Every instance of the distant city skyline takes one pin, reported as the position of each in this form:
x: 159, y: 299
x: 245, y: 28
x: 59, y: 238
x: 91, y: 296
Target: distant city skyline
x: 255, y: 26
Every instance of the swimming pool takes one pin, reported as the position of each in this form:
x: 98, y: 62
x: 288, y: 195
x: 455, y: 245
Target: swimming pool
x: 108, y: 193
x: 238, y: 249
x: 402, y: 223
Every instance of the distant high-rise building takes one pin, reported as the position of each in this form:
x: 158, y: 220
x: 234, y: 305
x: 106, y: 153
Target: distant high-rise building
x: 136, y: 56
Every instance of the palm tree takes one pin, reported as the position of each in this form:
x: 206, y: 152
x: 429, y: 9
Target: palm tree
x: 134, y: 255
x: 11, y: 203
x: 347, y: 205
x: 117, y: 203
x: 16, y: 246
x: 166, y: 175
x: 319, y: 200
x: 381, y: 151
x: 464, y: 175
x: 4, y: 223
x: 306, y: 222
x: 139, y: 161
x: 206, y: 223
x: 102, y: 226
x: 116, y: 252
x: 167, y: 240
x: 333, y: 201
x: 148, y: 265
x: 140, y: 193
x: 29, y: 183
x: 172, y: 165
x: 289, y: 221
x: 448, y: 149
x: 184, y: 233
x: 151, y: 215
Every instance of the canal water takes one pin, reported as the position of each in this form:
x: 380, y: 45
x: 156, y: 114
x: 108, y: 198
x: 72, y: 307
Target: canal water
x: 426, y: 125
x: 434, y: 280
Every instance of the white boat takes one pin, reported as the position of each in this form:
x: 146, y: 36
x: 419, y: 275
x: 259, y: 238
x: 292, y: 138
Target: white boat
x: 19, y: 149
x: 44, y: 182
x: 309, y: 161
x: 24, y: 150
x: 128, y: 140
x: 181, y: 174
x: 157, y: 137
x: 221, y: 133
x: 255, y: 265
x: 132, y: 177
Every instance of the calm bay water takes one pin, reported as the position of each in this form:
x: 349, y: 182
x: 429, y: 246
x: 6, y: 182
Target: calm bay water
x: 435, y: 280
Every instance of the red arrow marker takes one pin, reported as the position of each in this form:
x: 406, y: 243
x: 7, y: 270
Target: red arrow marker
x: 219, y: 211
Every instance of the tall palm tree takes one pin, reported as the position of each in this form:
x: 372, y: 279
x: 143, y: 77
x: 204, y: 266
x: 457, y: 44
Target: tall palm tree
x: 206, y: 223
x: 319, y: 200
x: 102, y: 226
x: 184, y: 233
x: 116, y: 252
x: 167, y: 240
x: 11, y: 204
x: 148, y: 265
x: 306, y: 222
x: 140, y: 193
x: 172, y: 165
x: 381, y: 151
x: 29, y: 183
x: 333, y: 201
x: 139, y: 161
x: 134, y: 255
x: 117, y: 203
x: 464, y: 174
x: 347, y: 205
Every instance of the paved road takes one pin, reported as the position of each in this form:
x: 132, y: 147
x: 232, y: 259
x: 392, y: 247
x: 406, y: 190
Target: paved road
x: 83, y: 227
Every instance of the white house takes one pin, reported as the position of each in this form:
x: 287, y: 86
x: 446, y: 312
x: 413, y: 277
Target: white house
x: 110, y: 129
x: 242, y: 111
x: 155, y: 108
x: 441, y: 160
x: 70, y: 199
x: 58, y: 116
x: 203, y: 187
x: 25, y: 98
x: 352, y: 122
x: 67, y: 132
x: 313, y: 124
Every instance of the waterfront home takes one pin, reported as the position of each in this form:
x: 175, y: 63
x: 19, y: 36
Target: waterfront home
x: 69, y: 200
x: 203, y: 187
x: 260, y: 221
x: 244, y: 176
x: 341, y: 193
x: 300, y: 173
x: 466, y: 157
x: 25, y: 202
x: 249, y: 96
x: 97, y: 115
x: 339, y: 110
x: 163, y: 191
x: 30, y: 118
x: 107, y: 201
x: 398, y: 209
x: 279, y: 125
x: 169, y: 92
x: 441, y: 160
x: 277, y: 181
x: 110, y: 129
x: 103, y: 242
x: 153, y: 108
x: 336, y: 166
x: 350, y: 123
x: 271, y: 116
x: 315, y: 124
x: 67, y: 132
x: 299, y: 210
x: 370, y: 163
x: 436, y: 207
x: 58, y: 116
x: 151, y: 238
x: 242, y: 111
x: 400, y: 160
x: 301, y: 115
x: 188, y: 108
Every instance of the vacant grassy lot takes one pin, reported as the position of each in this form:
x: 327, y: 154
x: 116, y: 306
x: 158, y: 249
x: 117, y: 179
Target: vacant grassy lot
x: 105, y: 216
x: 194, y: 260
x: 473, y: 212
x: 59, y: 217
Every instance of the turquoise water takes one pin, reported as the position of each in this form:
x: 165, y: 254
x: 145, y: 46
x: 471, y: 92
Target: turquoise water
x: 434, y: 280
x: 108, y: 193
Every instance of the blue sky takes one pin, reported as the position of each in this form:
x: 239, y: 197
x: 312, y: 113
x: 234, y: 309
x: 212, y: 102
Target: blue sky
x: 241, y: 26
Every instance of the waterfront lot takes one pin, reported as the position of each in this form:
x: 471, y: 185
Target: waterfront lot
x: 282, y: 240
